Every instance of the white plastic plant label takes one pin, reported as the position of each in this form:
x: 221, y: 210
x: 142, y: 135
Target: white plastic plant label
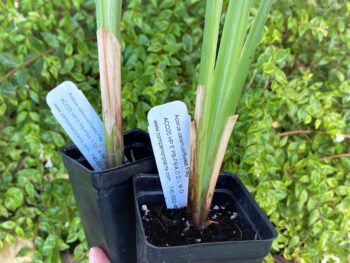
x: 169, y: 129
x: 80, y: 121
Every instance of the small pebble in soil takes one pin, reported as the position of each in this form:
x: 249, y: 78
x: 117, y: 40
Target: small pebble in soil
x: 187, y: 226
x: 216, y: 207
x: 233, y: 216
x: 145, y: 209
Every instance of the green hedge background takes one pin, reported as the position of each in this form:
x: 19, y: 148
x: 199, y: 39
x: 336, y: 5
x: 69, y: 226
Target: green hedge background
x: 290, y: 145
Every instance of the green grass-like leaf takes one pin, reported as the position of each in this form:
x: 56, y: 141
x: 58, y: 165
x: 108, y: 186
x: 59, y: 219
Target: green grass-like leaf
x: 230, y: 49
x: 108, y: 15
x: 224, y: 85
x: 210, y: 39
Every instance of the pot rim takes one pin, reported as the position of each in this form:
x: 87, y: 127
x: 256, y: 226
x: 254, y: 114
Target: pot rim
x: 64, y: 149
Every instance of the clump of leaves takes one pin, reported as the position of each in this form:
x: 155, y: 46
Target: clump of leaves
x: 222, y: 77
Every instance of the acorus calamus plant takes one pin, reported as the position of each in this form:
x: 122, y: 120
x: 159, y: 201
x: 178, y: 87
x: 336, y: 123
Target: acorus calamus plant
x: 222, y: 76
x: 108, y: 14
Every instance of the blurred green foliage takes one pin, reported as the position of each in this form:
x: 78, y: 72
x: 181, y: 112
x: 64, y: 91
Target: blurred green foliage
x: 300, y: 81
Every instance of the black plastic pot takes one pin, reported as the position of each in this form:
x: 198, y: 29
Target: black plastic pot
x: 147, y: 189
x: 105, y: 198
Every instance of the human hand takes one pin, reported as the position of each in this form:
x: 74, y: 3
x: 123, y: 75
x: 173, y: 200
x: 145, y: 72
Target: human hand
x: 97, y: 255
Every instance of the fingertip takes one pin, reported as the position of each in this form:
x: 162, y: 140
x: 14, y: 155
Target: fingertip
x: 97, y: 255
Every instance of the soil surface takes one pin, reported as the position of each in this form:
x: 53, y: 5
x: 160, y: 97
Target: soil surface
x: 164, y: 227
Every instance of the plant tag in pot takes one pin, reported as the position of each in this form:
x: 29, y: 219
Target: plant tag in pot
x: 169, y: 129
x: 80, y: 121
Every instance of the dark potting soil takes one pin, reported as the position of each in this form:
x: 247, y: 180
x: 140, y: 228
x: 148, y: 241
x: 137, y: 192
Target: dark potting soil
x: 171, y: 227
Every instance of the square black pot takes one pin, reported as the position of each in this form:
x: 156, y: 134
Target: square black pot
x: 147, y: 189
x: 105, y: 198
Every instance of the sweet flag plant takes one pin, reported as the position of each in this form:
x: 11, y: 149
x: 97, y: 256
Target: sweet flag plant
x: 222, y: 75
x: 108, y: 13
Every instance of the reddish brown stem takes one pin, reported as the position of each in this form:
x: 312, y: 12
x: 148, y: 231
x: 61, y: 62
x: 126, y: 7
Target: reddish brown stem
x: 29, y: 61
x: 300, y: 132
x: 335, y: 156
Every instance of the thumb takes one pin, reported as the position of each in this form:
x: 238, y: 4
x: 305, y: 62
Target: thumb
x: 98, y: 256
